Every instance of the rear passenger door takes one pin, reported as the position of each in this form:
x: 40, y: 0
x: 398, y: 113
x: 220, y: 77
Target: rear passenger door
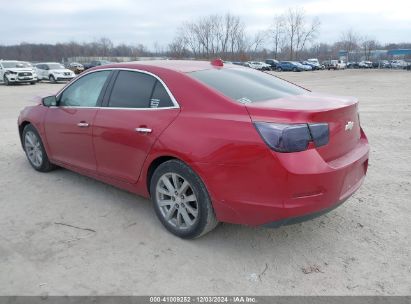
x: 136, y: 109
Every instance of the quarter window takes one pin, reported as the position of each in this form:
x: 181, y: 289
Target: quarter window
x: 160, y: 97
x: 86, y: 91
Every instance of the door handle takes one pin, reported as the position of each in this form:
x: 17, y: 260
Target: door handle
x: 83, y: 124
x: 143, y: 130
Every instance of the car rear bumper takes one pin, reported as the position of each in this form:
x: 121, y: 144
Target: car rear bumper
x: 302, y: 218
x: 285, y: 187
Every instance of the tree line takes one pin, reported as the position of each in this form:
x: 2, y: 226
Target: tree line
x: 291, y: 36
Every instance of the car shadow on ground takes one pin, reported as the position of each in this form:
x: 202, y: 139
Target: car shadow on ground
x: 137, y: 209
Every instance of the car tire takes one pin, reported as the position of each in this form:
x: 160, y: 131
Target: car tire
x: 52, y: 79
x: 181, y: 200
x: 279, y: 69
x: 33, y: 82
x: 35, y: 152
x: 295, y: 70
x: 6, y: 80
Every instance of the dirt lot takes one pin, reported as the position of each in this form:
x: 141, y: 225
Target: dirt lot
x: 361, y: 248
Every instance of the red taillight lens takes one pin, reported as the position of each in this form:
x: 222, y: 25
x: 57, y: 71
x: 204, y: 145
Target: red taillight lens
x: 287, y: 138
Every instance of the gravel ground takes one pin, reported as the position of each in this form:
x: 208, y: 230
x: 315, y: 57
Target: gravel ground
x: 361, y: 248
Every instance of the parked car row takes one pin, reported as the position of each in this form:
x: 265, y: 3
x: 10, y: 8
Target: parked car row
x: 14, y: 71
x: 275, y: 65
x: 313, y: 64
x: 380, y: 64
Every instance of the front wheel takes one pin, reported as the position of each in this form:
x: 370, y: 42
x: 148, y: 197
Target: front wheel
x: 35, y: 152
x: 52, y: 79
x: 6, y: 80
x: 279, y: 69
x: 181, y: 200
x: 295, y: 70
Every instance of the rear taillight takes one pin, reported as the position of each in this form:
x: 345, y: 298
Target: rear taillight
x: 293, y: 137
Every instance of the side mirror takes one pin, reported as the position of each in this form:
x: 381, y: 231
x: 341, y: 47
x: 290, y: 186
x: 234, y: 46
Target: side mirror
x: 49, y: 101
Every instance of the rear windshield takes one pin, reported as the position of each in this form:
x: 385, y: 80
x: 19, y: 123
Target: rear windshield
x: 246, y: 85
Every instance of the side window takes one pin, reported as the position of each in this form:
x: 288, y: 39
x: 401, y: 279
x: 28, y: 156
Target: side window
x: 85, y: 91
x: 132, y: 90
x: 160, y: 97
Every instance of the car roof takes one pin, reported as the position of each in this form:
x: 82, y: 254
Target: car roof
x: 182, y: 66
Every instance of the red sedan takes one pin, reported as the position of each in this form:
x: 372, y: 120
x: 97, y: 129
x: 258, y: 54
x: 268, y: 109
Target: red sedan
x: 207, y: 142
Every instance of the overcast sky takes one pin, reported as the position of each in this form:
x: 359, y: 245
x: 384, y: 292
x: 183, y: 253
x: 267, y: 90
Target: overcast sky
x: 147, y: 22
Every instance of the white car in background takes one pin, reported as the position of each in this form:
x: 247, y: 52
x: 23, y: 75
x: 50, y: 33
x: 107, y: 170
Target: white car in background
x: 341, y: 65
x: 313, y: 61
x: 13, y: 71
x: 398, y: 64
x: 53, y: 71
x: 365, y: 64
x: 258, y: 65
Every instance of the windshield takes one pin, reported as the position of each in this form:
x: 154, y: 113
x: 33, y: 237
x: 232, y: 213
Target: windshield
x: 15, y: 64
x: 55, y: 66
x: 246, y: 86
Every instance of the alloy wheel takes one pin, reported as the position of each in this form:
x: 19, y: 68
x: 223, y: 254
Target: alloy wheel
x: 33, y: 148
x: 177, y: 201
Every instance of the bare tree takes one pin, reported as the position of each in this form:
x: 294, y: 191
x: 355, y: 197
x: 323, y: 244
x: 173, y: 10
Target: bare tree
x: 213, y: 35
x: 350, y: 42
x: 105, y: 45
x: 257, y: 41
x: 368, y: 45
x: 299, y: 30
x: 177, y: 48
x: 278, y: 33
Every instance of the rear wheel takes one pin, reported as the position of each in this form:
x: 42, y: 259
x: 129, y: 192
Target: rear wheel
x: 295, y: 70
x: 279, y: 69
x: 35, y: 152
x: 181, y: 200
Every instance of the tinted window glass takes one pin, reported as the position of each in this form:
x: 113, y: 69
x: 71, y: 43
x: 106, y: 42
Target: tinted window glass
x: 245, y: 85
x: 85, y: 91
x: 160, y: 97
x: 132, y: 90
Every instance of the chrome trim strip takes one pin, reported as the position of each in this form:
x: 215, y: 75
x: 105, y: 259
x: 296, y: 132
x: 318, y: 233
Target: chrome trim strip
x: 176, y: 104
x: 113, y: 108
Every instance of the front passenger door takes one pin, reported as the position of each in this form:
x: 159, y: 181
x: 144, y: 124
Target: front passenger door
x: 68, y: 126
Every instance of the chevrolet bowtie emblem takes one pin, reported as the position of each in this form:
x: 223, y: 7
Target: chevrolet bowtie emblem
x: 349, y: 125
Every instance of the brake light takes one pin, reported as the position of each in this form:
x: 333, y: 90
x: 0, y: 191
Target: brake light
x: 293, y: 137
x: 217, y: 62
